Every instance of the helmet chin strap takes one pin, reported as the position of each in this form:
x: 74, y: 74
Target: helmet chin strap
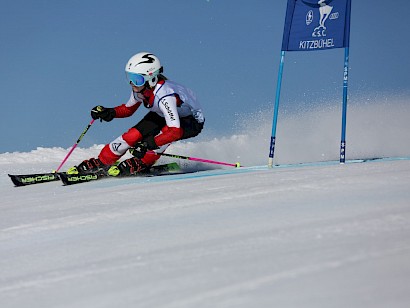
x: 145, y: 94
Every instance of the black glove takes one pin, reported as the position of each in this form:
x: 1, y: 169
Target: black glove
x: 102, y: 113
x: 139, y: 150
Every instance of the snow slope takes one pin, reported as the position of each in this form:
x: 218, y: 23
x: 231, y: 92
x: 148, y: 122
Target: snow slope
x: 323, y: 235
x: 309, y: 235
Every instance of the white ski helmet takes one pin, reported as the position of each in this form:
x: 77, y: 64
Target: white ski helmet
x: 143, y: 67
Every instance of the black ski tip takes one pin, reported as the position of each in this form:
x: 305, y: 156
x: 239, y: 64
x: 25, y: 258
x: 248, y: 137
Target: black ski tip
x: 63, y: 177
x: 15, y: 180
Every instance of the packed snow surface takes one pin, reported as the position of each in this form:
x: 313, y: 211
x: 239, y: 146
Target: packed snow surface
x: 297, y: 235
x: 313, y: 235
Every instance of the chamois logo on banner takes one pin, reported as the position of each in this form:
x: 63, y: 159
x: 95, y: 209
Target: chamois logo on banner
x: 325, y: 12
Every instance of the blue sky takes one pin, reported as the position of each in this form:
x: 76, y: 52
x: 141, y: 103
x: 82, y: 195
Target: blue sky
x: 59, y: 59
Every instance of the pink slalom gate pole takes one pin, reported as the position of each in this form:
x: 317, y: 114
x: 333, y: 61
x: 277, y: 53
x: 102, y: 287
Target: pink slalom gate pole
x: 237, y: 165
x: 75, y: 145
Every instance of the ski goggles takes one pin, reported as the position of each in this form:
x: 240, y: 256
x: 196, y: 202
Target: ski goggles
x: 136, y: 79
x: 139, y: 79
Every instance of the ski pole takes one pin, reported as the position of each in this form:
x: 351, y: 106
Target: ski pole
x: 75, y: 145
x: 237, y: 165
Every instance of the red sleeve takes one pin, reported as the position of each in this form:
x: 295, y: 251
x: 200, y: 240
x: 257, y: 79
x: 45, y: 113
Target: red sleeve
x: 123, y: 111
x: 169, y: 134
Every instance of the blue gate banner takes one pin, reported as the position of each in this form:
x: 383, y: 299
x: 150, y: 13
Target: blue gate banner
x: 316, y: 25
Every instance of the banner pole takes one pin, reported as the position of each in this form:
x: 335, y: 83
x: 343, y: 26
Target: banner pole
x: 276, y: 110
x: 344, y: 107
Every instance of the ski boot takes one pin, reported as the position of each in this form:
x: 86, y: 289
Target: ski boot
x: 131, y: 166
x: 90, y: 166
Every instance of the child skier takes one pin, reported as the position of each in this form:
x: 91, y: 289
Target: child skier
x: 174, y: 114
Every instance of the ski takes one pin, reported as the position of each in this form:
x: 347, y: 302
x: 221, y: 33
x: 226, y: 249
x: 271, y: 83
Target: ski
x: 35, y: 178
x: 70, y: 179
x: 38, y: 178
